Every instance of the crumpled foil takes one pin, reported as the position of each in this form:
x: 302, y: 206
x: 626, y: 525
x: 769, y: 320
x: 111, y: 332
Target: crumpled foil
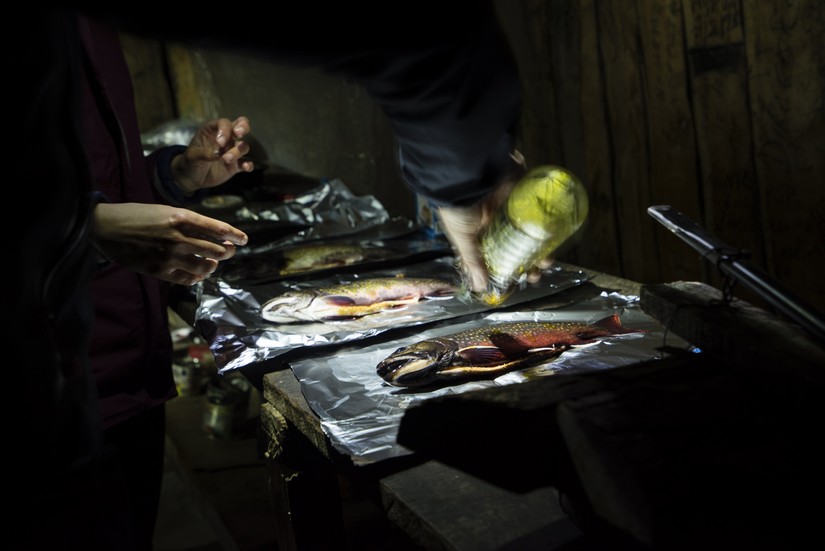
x: 174, y: 132
x: 361, y: 413
x: 328, y: 210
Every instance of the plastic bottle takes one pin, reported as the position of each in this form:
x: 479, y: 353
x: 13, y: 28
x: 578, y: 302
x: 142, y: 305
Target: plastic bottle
x: 543, y: 210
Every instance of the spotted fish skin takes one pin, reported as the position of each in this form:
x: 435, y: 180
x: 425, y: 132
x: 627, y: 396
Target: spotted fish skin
x: 490, y: 351
x: 354, y: 300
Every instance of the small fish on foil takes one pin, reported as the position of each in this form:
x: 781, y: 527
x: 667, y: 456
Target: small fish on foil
x: 301, y: 259
x: 354, y: 300
x: 489, y: 351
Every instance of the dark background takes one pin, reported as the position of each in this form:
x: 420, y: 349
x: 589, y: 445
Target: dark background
x: 714, y: 107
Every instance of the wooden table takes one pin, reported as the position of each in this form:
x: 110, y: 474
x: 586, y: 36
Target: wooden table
x: 438, y: 506
x: 697, y: 449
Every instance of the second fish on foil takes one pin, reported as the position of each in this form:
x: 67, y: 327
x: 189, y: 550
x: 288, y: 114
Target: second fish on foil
x: 354, y: 300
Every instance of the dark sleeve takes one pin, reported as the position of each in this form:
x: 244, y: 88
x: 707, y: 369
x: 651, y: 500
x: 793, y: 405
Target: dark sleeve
x: 453, y: 104
x: 442, y: 72
x: 159, y: 166
x: 453, y: 109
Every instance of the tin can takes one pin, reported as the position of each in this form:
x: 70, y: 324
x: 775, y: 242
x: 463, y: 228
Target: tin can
x: 427, y: 217
x: 188, y: 376
x: 225, y: 408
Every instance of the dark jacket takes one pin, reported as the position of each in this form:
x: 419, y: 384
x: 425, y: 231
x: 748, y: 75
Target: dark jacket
x: 130, y: 351
x: 443, y: 72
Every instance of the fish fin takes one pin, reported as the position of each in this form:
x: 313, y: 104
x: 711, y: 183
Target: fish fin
x: 482, y: 355
x: 509, y: 345
x: 554, y: 348
x: 441, y: 294
x: 339, y: 300
x: 457, y: 371
x: 613, y: 324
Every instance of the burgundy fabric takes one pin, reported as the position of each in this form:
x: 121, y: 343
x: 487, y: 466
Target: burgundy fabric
x: 130, y: 350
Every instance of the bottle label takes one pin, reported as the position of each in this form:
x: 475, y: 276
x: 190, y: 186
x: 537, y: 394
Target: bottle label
x: 543, y: 210
x: 508, y: 253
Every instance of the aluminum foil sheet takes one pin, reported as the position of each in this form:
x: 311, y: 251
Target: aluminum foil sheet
x: 317, y: 258
x: 361, y: 413
x: 229, y: 315
x: 328, y: 210
x: 174, y: 132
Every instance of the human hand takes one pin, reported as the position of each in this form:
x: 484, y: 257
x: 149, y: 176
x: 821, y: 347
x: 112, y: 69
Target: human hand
x: 169, y: 243
x: 464, y: 227
x: 213, y: 156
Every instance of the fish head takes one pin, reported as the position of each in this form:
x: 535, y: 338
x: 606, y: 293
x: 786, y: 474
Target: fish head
x: 415, y: 364
x: 288, y: 308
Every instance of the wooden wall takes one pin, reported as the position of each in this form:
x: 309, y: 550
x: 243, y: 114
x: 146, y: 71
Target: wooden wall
x: 714, y: 107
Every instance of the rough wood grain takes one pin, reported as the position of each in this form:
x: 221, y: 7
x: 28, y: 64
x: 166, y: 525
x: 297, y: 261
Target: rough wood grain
x: 622, y: 63
x: 539, y: 128
x: 672, y: 142
x: 718, y: 84
x: 598, y: 247
x: 786, y: 80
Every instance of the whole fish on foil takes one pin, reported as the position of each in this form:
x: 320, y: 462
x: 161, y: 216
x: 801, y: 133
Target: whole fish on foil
x: 308, y: 258
x: 299, y: 260
x: 354, y: 300
x: 490, y: 351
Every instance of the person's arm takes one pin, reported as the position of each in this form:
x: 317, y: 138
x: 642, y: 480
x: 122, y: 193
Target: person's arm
x: 454, y: 109
x: 170, y: 243
x: 446, y: 79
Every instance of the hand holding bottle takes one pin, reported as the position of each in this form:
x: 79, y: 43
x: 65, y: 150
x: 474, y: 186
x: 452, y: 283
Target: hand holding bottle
x: 464, y: 226
x: 541, y: 212
x: 510, y: 237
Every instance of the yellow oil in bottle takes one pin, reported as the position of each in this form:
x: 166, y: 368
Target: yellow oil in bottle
x: 543, y: 210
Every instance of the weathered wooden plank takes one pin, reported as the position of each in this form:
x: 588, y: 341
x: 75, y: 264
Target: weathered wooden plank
x: 786, y: 79
x: 563, y: 29
x: 623, y: 64
x: 673, y: 156
x: 443, y: 508
x: 599, y: 246
x: 282, y: 390
x: 562, y: 26
x: 304, y: 495
x: 526, y: 23
x: 752, y: 340
x: 722, y: 120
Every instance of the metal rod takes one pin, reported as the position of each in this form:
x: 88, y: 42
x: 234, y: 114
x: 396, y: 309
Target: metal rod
x: 730, y: 261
